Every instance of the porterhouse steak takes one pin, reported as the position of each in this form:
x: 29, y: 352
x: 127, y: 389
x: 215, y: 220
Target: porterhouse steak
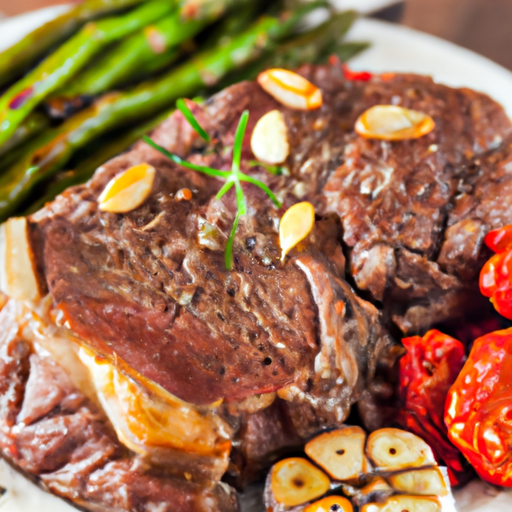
x: 280, y: 347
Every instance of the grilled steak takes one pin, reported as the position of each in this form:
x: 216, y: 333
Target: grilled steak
x: 58, y: 436
x: 288, y: 347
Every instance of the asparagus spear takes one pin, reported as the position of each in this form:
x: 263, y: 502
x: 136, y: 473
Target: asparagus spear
x: 136, y: 55
x: 21, y: 99
x: 15, y: 59
x: 34, y: 124
x: 85, y: 169
x: 49, y: 153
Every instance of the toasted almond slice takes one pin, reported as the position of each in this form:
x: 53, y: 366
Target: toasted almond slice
x: 129, y: 190
x: 340, y: 453
x: 330, y: 504
x: 296, y: 481
x: 389, y: 122
x: 296, y: 224
x: 392, y: 449
x: 405, y: 503
x: 269, y: 140
x: 423, y: 482
x: 18, y: 276
x: 291, y: 89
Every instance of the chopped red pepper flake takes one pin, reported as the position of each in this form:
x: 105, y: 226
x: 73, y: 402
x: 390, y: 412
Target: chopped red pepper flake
x: 430, y: 366
x: 21, y: 98
x: 363, y: 76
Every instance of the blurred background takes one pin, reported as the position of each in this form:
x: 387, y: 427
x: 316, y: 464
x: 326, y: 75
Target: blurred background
x: 483, y: 26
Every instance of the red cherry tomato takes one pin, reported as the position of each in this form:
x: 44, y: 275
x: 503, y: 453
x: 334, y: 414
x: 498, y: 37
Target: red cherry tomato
x: 479, y: 408
x: 429, y: 368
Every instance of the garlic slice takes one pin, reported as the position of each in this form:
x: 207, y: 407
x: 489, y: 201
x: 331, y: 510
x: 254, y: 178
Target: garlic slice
x: 296, y: 224
x: 405, y: 503
x: 18, y: 276
x: 330, y: 504
x: 340, y: 453
x: 291, y: 89
x: 389, y: 122
x: 269, y: 140
x: 129, y: 190
x: 424, y: 482
x: 392, y: 449
x: 296, y: 481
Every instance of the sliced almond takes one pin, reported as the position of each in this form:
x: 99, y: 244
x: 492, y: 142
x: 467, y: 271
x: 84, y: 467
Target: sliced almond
x: 269, y: 140
x: 405, y: 504
x: 18, y: 276
x: 129, y: 190
x: 330, y: 504
x: 389, y: 122
x: 423, y: 482
x: 392, y: 449
x: 296, y: 481
x: 296, y: 224
x: 340, y: 453
x: 291, y: 89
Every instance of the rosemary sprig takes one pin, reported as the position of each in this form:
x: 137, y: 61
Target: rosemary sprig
x: 182, y: 107
x: 232, y: 178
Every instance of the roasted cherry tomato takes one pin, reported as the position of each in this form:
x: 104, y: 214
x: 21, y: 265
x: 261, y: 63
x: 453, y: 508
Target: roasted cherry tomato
x: 479, y: 408
x: 496, y: 275
x: 427, y: 371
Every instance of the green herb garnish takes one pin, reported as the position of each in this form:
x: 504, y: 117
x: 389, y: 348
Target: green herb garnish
x: 275, y: 170
x: 232, y: 178
x: 182, y: 107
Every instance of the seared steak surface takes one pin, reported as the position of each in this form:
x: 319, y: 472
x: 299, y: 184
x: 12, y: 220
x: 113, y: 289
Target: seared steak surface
x: 61, y: 438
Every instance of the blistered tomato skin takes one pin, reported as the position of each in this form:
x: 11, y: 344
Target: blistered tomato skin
x: 479, y: 408
x: 499, y: 240
x: 496, y: 274
x: 427, y: 371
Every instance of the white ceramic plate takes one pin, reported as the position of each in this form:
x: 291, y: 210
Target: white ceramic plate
x: 394, y: 48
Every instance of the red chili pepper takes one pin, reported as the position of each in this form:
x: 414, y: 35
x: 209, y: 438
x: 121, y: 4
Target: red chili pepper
x: 479, y: 408
x: 496, y: 274
x: 429, y: 368
x: 21, y: 98
x: 363, y: 76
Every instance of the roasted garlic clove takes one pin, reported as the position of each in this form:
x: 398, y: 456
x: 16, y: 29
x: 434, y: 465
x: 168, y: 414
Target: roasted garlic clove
x: 392, y: 449
x: 424, y: 482
x: 296, y: 481
x: 269, y: 140
x: 340, y: 453
x: 129, y: 190
x: 376, y: 491
x: 18, y: 274
x: 389, y: 122
x: 296, y: 224
x: 330, y: 504
x: 291, y: 89
x: 404, y: 503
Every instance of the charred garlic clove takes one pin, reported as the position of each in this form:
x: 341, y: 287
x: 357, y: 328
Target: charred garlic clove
x: 425, y: 482
x: 391, y: 449
x: 403, y: 503
x: 389, y: 122
x: 330, y: 504
x: 129, y: 190
x: 296, y: 481
x: 269, y: 140
x: 340, y: 453
x: 291, y: 89
x: 378, y: 490
x: 296, y: 224
x: 18, y: 275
